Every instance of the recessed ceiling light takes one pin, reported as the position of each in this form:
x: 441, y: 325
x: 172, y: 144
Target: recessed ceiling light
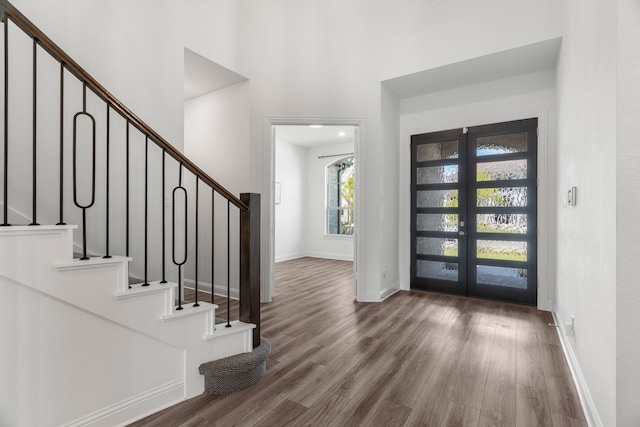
x: 342, y: 133
x: 315, y: 126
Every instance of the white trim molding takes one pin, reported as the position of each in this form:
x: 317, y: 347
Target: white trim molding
x: 386, y: 293
x: 147, y: 403
x: 268, y: 205
x: 206, y: 287
x: 588, y: 406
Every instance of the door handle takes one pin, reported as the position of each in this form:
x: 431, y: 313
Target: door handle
x: 461, y: 233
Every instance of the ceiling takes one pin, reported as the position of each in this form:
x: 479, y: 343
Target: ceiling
x: 509, y: 63
x: 202, y: 75
x: 306, y: 136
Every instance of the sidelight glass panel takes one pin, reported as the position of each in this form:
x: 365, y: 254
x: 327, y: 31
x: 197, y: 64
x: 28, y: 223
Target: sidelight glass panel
x: 437, y: 151
x: 502, y: 250
x: 501, y: 144
x: 501, y: 223
x: 437, y: 246
x: 437, y: 174
x: 502, y: 197
x: 437, y: 222
x: 498, y: 171
x: 502, y: 276
x: 437, y: 270
x: 438, y: 199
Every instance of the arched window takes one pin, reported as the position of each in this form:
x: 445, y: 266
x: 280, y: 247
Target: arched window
x: 340, y: 196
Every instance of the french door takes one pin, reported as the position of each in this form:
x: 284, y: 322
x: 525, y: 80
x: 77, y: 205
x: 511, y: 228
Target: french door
x: 473, y: 211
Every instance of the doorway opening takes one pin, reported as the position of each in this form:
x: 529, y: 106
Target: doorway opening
x: 314, y: 178
x: 474, y: 211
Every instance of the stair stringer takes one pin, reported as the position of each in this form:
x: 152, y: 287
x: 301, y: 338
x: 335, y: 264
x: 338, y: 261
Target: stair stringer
x: 40, y: 257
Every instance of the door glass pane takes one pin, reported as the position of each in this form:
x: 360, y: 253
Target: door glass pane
x: 437, y: 246
x: 437, y: 222
x: 502, y: 276
x: 498, y: 171
x: 502, y: 197
x: 502, y: 250
x: 501, y: 223
x: 437, y: 270
x: 438, y: 199
x: 437, y: 174
x: 438, y: 151
x: 501, y: 144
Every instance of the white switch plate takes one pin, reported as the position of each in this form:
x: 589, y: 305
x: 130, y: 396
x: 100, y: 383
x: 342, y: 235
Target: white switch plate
x: 571, y: 196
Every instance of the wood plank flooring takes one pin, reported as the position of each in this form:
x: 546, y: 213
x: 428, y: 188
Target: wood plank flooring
x: 416, y: 359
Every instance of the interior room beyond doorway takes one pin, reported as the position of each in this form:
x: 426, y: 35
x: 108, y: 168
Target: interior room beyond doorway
x: 314, y: 192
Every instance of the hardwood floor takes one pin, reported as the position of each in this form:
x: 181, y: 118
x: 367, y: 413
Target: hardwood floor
x: 416, y: 359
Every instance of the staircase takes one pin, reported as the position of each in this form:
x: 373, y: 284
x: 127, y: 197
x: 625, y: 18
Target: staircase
x: 80, y: 345
x: 39, y: 277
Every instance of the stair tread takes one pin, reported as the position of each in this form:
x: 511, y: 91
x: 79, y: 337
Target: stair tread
x: 91, y: 262
x: 138, y: 289
x: 236, y: 327
x: 189, y: 310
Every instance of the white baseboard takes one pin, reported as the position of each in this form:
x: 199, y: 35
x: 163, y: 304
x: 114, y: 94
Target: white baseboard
x: 206, y: 287
x: 281, y: 258
x: 340, y: 257
x: 135, y: 408
x: 24, y: 220
x: 386, y: 293
x: 589, y: 408
x: 322, y: 255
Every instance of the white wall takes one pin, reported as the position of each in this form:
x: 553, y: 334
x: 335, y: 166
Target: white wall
x: 291, y: 221
x: 586, y: 233
x: 389, y: 267
x: 63, y: 361
x: 360, y: 45
x: 319, y: 244
x: 139, y: 60
x: 526, y: 96
x: 217, y: 139
x: 277, y: 45
x: 627, y: 182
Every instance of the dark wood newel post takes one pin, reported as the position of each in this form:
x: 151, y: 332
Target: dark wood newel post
x: 250, y: 263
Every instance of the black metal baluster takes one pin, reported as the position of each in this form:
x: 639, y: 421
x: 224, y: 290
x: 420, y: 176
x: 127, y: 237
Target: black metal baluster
x: 34, y: 202
x: 213, y: 243
x: 61, y: 222
x: 197, y: 201
x: 6, y: 121
x: 163, y: 222
x: 75, y: 167
x: 107, y: 166
x: 173, y: 232
x: 146, y: 208
x: 228, y: 265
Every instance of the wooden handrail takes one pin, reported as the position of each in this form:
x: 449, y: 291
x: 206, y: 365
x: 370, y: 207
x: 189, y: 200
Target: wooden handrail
x: 8, y: 10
